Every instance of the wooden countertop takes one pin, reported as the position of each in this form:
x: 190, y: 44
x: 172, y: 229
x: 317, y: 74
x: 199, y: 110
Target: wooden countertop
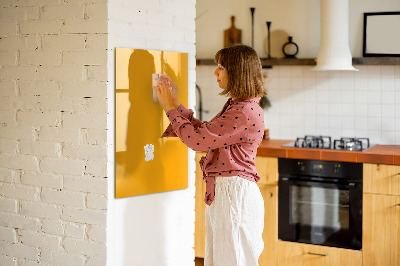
x: 379, y: 154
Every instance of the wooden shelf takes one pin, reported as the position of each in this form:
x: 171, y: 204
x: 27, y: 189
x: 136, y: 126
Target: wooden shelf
x: 312, y: 61
x: 268, y: 62
x: 288, y: 62
x: 376, y: 61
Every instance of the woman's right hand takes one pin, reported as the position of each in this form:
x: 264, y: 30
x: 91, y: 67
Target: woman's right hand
x: 174, y: 90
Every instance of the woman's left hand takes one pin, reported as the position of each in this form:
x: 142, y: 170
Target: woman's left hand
x: 164, y: 95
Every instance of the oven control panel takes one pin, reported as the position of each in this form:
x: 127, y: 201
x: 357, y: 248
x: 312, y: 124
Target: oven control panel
x: 331, y: 169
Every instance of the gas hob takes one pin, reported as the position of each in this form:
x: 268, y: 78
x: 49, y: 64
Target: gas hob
x: 325, y: 142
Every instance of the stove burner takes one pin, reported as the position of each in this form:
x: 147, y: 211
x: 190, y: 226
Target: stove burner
x: 308, y: 141
x: 324, y: 142
x: 351, y: 144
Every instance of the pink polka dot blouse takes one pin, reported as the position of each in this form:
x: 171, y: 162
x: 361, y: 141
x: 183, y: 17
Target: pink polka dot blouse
x: 231, y: 139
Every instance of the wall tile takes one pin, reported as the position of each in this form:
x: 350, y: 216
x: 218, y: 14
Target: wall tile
x: 374, y: 123
x: 322, y: 109
x: 348, y: 122
x: 339, y: 104
x: 361, y: 110
x: 388, y: 84
x: 374, y: 110
x: 374, y: 97
x: 374, y: 83
x: 388, y: 110
x: 388, y: 124
x: 387, y: 71
x: 361, y: 123
x: 388, y: 97
x: 347, y: 109
x: 375, y: 136
x: 322, y: 95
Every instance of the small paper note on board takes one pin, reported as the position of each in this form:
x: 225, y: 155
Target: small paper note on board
x: 149, y: 152
x: 156, y: 78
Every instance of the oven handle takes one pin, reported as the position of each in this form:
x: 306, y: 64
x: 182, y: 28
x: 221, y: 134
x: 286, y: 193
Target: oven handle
x: 297, y: 181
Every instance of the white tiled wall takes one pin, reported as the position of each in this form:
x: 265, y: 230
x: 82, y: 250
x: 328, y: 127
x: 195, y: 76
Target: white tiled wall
x: 338, y: 104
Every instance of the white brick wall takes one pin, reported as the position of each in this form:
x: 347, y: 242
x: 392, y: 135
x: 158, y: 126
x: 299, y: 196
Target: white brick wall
x: 53, y: 107
x: 56, y: 137
x: 75, y: 230
x: 155, y: 229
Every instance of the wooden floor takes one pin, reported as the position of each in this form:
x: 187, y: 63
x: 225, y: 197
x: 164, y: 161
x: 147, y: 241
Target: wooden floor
x: 199, y: 262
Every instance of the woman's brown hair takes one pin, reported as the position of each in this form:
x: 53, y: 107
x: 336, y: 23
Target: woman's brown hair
x: 245, y: 78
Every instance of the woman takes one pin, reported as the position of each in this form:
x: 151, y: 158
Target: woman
x: 235, y: 207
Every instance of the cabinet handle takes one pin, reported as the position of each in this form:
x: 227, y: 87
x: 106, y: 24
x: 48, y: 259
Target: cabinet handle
x: 318, y: 254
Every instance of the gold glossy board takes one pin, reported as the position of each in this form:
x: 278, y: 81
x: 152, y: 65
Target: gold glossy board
x: 144, y: 162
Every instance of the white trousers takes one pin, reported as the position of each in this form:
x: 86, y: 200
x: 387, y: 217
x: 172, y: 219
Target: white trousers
x: 234, y: 223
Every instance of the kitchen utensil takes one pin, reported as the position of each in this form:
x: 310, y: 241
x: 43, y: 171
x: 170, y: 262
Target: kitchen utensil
x: 232, y: 35
x: 252, y: 9
x: 269, y: 38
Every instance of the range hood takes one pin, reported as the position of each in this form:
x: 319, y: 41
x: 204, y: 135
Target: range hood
x: 334, y: 51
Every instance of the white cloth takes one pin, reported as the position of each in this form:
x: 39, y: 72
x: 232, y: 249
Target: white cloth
x: 234, y: 223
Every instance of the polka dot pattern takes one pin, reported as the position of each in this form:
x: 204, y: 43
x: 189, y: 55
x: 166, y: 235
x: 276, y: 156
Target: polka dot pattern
x: 231, y: 139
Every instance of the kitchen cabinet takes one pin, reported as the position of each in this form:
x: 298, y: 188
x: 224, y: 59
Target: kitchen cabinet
x: 267, y: 168
x: 381, y: 215
x: 381, y: 230
x: 298, y: 254
x: 270, y: 233
x: 200, y: 208
x: 381, y: 179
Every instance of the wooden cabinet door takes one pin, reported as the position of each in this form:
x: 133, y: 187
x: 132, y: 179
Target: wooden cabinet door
x: 298, y: 254
x: 200, y: 207
x: 270, y: 233
x: 267, y: 168
x: 381, y: 230
x: 381, y: 179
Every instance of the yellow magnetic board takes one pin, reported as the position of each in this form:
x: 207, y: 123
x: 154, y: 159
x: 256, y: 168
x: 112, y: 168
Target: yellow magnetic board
x: 144, y: 162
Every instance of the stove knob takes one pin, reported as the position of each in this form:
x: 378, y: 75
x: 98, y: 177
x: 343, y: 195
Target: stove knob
x: 336, y: 169
x: 302, y: 167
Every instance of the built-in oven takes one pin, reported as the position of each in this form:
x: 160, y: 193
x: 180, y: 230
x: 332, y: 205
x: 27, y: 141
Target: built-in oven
x: 320, y: 202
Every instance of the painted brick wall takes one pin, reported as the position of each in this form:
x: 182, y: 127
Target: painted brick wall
x: 53, y: 153
x: 155, y: 229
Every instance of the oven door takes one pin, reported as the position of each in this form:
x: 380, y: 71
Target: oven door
x: 321, y: 212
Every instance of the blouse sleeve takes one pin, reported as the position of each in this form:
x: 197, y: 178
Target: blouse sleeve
x: 225, y: 130
x: 186, y: 113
